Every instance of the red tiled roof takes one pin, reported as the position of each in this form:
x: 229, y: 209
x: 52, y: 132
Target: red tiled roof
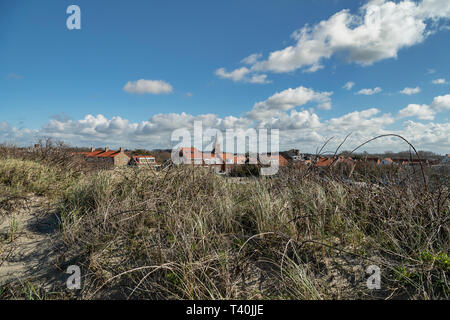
x: 100, y: 154
x: 108, y: 154
x: 89, y: 153
x: 193, y: 153
x: 282, y: 161
x: 324, y: 162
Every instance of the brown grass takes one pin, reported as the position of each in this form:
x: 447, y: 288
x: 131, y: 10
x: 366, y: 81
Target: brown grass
x: 185, y: 233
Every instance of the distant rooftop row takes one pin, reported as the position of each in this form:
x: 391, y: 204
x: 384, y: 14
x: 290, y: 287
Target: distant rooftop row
x: 222, y: 162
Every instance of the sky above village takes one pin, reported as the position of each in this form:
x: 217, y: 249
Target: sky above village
x: 314, y: 69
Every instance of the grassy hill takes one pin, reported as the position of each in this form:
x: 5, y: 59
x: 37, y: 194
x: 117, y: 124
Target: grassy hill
x: 184, y: 233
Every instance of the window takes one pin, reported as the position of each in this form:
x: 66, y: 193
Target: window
x: 146, y: 160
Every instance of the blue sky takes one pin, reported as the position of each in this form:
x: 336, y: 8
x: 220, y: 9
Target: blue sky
x: 52, y: 78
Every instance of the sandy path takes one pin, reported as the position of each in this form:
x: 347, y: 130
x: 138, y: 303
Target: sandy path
x: 32, y: 253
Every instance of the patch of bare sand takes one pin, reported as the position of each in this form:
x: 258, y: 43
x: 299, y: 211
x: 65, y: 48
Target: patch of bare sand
x: 29, y: 245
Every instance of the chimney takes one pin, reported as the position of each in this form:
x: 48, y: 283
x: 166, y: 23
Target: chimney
x: 36, y: 146
x: 92, y: 149
x: 121, y: 150
x: 106, y: 149
x: 216, y: 146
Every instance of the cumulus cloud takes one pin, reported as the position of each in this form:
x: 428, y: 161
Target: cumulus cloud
x: 379, y: 30
x: 294, y: 120
x: 259, y: 78
x: 302, y: 129
x: 242, y: 74
x: 287, y: 100
x: 369, y: 92
x: 313, y: 68
x: 98, y: 129
x: 426, y: 112
x: 12, y: 135
x: 235, y: 75
x: 441, y: 103
x: 143, y: 86
x: 252, y: 59
x: 410, y: 91
x: 422, y: 112
x: 439, y: 81
x: 360, y: 120
x: 430, y: 136
x: 349, y: 85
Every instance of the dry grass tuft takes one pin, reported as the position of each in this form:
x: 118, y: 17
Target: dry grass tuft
x: 184, y: 233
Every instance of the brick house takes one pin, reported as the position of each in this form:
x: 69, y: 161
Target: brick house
x: 294, y: 155
x: 216, y: 161
x: 116, y: 158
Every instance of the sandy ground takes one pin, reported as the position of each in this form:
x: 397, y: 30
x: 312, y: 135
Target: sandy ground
x: 29, y: 245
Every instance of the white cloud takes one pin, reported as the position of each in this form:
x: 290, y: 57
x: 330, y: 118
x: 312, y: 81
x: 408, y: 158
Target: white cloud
x: 426, y: 112
x: 434, y: 9
x: 378, y: 31
x: 252, y: 59
x: 241, y: 74
x: 143, y: 86
x: 259, y: 78
x: 349, y: 85
x: 294, y: 120
x: 410, y: 91
x: 441, y: 103
x: 360, y: 120
x: 13, y: 135
x: 287, y: 100
x: 369, y: 92
x: 313, y: 68
x: 422, y: 112
x: 235, y: 75
x: 430, y: 136
x: 302, y: 129
x: 439, y: 81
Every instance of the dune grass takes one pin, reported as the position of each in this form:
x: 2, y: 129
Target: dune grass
x: 185, y: 233
x: 188, y: 234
